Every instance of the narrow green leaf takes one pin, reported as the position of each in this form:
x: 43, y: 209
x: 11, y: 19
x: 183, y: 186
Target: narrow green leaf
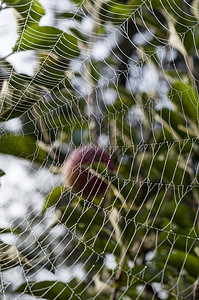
x: 52, y: 289
x: 48, y: 38
x: 53, y: 197
x: 31, y: 11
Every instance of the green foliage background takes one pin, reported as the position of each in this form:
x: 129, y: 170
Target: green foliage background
x: 152, y: 207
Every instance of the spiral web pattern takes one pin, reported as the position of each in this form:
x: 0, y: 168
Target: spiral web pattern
x: 121, y: 76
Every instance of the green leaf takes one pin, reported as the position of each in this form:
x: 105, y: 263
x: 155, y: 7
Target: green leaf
x: 182, y: 242
x: 18, y: 96
x: 181, y: 260
x: 185, y: 98
x: 181, y: 214
x: 52, y: 289
x: 74, y: 215
x: 11, y: 2
x: 69, y: 15
x: 2, y: 173
x: 48, y: 38
x: 173, y: 121
x: 53, y: 197
x: 10, y: 257
x: 170, y: 172
x: 147, y: 17
x: 118, y: 12
x: 162, y: 166
x: 31, y: 11
x: 150, y: 273
x: 21, y: 146
x: 50, y: 70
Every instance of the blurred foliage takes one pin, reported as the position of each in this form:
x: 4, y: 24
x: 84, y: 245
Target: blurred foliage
x: 53, y: 289
x: 150, y: 215
x: 2, y: 173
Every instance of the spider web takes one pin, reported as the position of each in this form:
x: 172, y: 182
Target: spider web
x: 123, y: 77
